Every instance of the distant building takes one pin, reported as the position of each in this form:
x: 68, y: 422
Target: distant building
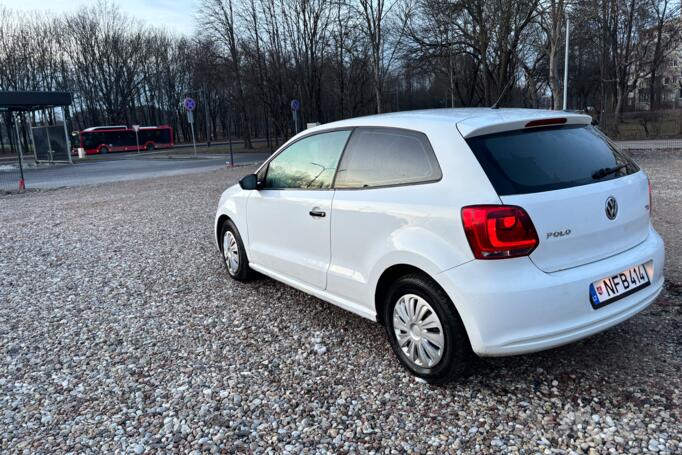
x: 669, y: 80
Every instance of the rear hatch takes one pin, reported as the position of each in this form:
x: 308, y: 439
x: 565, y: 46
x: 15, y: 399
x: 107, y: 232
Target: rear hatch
x: 587, y: 200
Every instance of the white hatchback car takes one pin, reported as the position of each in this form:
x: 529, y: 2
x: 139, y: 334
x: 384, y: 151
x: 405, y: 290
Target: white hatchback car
x: 487, y: 231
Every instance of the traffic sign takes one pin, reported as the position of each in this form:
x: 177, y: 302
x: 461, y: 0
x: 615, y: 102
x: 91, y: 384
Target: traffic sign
x: 295, y: 105
x: 189, y: 104
x: 136, y: 128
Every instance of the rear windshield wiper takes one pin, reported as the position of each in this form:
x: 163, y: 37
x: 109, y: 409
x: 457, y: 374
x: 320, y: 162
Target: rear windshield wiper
x: 603, y: 172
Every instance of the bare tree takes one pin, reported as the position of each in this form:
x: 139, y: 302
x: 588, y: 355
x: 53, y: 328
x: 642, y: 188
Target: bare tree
x: 250, y: 58
x: 378, y: 17
x: 218, y: 20
x: 553, y: 21
x: 666, y: 34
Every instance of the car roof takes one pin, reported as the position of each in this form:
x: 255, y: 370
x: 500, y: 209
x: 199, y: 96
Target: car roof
x: 469, y: 121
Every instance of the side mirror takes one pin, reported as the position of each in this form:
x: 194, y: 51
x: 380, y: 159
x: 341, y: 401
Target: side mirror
x: 249, y: 182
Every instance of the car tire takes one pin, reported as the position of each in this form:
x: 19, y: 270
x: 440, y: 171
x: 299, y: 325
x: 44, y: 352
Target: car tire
x: 150, y: 147
x: 234, y: 255
x: 104, y: 150
x: 419, y: 316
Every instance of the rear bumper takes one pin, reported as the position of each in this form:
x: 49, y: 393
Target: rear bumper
x: 511, y: 307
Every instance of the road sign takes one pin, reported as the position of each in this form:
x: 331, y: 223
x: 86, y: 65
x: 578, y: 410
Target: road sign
x: 295, y: 105
x: 190, y: 117
x: 136, y: 128
x: 189, y: 104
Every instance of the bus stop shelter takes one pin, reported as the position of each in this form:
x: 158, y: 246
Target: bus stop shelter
x: 50, y: 142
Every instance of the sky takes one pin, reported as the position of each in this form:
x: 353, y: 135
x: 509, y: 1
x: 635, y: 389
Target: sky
x: 174, y: 15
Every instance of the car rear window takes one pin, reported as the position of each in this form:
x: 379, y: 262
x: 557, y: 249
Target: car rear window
x: 535, y: 160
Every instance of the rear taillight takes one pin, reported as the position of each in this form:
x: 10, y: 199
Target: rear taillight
x: 499, y: 231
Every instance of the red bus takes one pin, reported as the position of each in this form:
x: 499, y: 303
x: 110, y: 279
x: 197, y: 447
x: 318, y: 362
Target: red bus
x: 105, y: 139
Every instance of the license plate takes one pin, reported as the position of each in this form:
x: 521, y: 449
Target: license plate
x: 614, y: 287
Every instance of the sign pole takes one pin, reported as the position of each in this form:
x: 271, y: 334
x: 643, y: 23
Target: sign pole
x: 295, y: 106
x: 189, y: 105
x: 190, y: 116
x: 229, y: 138
x: 136, y: 128
x: 568, y: 28
x: 194, y: 142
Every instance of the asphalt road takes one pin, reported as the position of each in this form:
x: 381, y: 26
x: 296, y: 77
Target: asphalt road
x: 118, y: 170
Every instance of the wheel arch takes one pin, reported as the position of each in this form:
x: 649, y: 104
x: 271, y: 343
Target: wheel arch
x: 390, y: 275
x: 218, y: 229
x: 232, y: 207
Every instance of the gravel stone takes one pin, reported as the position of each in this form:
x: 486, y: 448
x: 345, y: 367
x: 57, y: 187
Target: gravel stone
x: 120, y: 332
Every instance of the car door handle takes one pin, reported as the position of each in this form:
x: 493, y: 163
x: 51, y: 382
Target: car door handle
x: 317, y: 213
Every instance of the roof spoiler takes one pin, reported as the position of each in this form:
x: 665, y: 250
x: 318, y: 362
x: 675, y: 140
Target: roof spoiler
x: 510, y: 121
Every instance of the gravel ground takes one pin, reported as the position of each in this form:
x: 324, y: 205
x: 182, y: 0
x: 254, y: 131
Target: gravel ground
x: 119, y: 331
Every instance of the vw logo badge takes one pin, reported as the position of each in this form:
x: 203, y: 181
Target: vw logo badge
x: 611, y: 208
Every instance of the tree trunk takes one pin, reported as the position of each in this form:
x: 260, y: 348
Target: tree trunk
x: 557, y: 96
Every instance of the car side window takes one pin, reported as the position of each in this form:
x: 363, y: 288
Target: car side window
x: 378, y: 157
x: 309, y: 163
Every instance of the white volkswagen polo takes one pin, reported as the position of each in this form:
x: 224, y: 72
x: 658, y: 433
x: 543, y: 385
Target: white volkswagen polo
x: 486, y: 231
